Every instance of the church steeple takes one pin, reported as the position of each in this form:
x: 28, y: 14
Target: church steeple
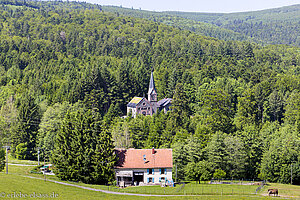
x: 152, y: 94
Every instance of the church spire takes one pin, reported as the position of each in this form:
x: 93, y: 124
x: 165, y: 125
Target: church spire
x: 152, y: 95
x: 151, y: 84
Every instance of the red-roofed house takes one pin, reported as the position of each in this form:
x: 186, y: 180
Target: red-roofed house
x: 143, y: 166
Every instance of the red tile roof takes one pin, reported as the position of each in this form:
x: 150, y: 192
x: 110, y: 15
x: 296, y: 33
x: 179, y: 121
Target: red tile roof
x: 134, y: 158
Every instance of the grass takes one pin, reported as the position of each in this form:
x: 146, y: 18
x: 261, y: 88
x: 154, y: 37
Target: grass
x: 13, y: 160
x: 19, y: 170
x: 188, y: 189
x: 196, y: 189
x: 15, y: 182
x: 284, y: 190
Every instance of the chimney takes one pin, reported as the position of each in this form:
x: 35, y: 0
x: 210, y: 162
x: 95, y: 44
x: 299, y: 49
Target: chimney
x: 153, y: 151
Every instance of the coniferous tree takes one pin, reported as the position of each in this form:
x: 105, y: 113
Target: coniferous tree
x: 25, y: 132
x: 84, y: 151
x: 180, y: 108
x: 2, y: 159
x: 217, y: 107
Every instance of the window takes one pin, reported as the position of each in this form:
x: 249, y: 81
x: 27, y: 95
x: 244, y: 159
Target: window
x: 150, y: 180
x: 150, y: 171
x: 161, y: 179
x: 163, y: 171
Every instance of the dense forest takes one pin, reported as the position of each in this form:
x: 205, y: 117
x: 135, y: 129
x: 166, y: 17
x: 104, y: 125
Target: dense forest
x: 201, y: 28
x: 68, y: 70
x: 272, y: 26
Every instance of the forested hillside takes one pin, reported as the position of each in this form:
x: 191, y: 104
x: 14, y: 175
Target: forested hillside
x: 201, y: 28
x: 67, y: 71
x: 272, y: 26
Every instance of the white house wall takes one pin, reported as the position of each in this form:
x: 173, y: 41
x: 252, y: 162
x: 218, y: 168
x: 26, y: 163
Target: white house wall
x: 156, y: 175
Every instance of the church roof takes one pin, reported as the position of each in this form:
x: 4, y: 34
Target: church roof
x: 151, y: 84
x: 164, y: 102
x: 134, y: 102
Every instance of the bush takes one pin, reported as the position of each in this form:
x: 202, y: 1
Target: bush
x: 36, y: 170
x: 219, y: 174
x: 21, y: 151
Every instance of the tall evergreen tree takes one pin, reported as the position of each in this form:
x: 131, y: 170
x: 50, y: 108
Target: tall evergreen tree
x: 25, y: 132
x: 84, y: 151
x: 2, y: 159
x: 180, y: 108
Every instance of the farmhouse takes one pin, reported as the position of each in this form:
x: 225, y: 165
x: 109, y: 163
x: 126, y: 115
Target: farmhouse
x: 143, y: 166
x: 141, y: 105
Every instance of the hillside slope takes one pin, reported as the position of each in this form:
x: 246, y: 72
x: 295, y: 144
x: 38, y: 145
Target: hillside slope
x: 201, y: 28
x: 272, y: 26
x: 231, y: 99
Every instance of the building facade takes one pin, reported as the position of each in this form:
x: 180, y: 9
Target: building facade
x: 143, y: 166
x: 141, y: 105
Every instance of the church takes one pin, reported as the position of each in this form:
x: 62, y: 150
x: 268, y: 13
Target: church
x: 141, y: 105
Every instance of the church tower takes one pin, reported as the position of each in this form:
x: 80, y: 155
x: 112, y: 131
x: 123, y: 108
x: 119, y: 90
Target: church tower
x: 143, y: 106
x: 152, y: 94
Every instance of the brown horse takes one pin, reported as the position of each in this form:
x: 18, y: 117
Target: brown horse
x: 273, y: 191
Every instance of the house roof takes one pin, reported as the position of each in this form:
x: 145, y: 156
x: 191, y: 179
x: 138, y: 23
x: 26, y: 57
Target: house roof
x: 134, y: 158
x: 164, y: 102
x: 134, y: 102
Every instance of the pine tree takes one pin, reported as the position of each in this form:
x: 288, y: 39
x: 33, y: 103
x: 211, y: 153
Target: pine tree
x: 113, y: 111
x: 2, y: 159
x: 84, y: 152
x: 180, y: 108
x: 27, y: 126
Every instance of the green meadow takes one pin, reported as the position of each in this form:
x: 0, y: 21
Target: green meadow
x: 15, y: 185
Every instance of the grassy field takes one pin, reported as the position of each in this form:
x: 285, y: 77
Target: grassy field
x: 11, y: 184
x: 284, y: 190
x: 189, y: 189
x: 15, y: 182
x: 14, y: 185
x: 25, y: 162
x: 196, y: 189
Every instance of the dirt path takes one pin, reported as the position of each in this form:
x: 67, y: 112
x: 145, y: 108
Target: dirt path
x: 23, y: 165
